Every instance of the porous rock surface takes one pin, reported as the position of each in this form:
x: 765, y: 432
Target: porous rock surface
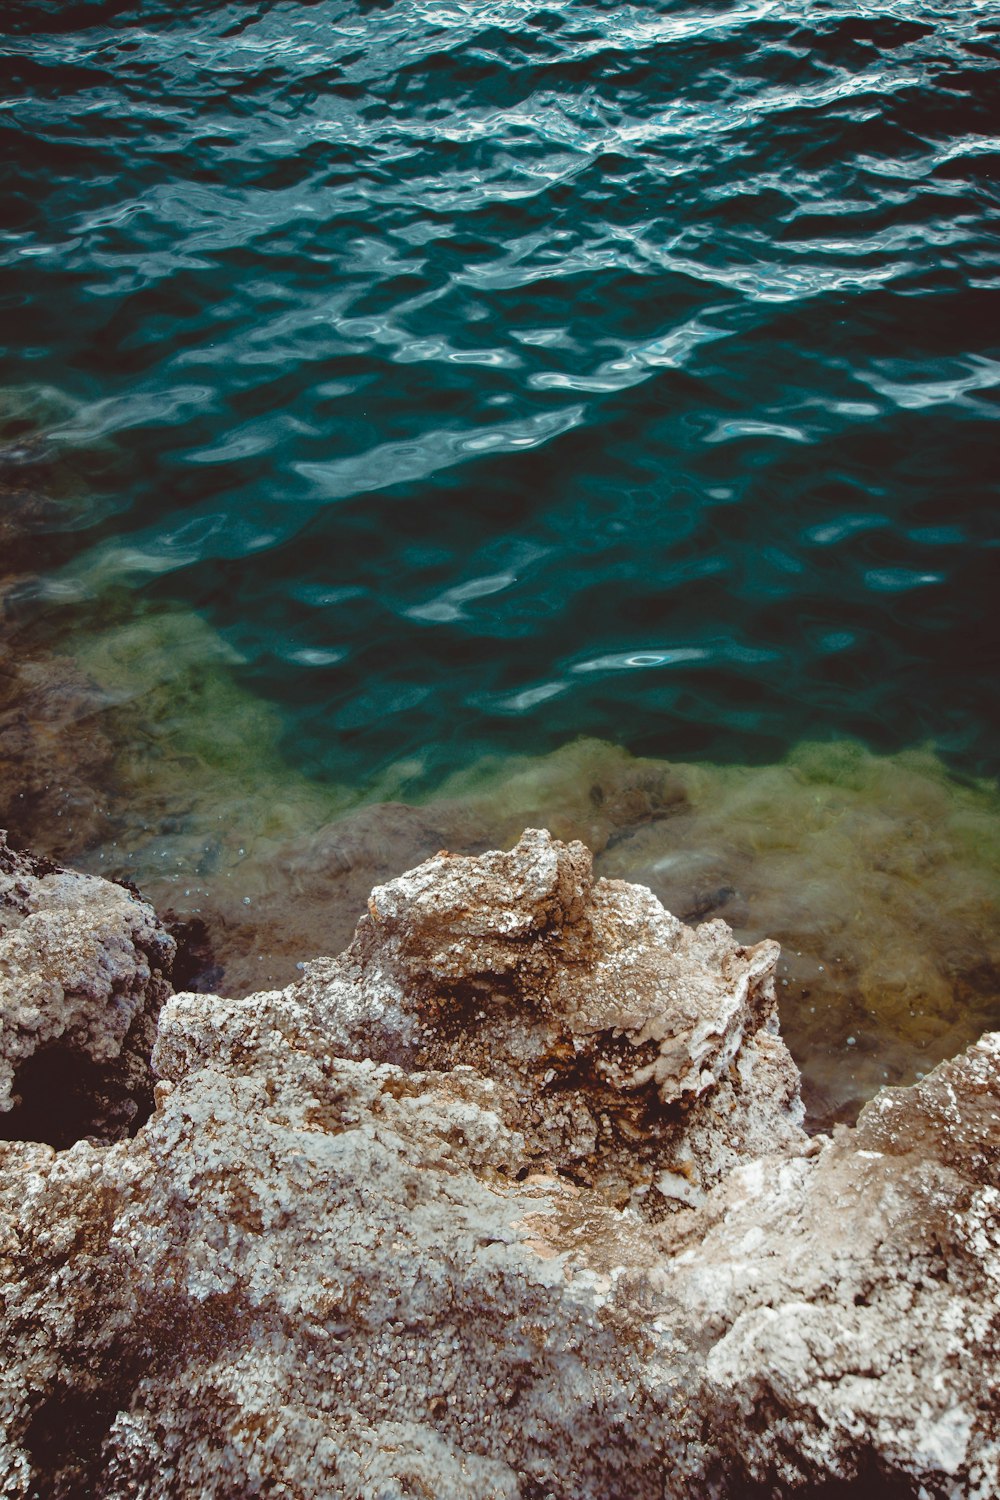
x: 382, y: 1236
x: 83, y: 966
x: 639, y: 1055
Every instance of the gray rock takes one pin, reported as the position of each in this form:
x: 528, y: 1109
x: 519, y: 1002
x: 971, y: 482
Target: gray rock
x: 364, y: 1247
x: 83, y: 966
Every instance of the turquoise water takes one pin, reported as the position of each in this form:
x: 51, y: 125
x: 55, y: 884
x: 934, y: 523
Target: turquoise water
x: 413, y: 413
x: 487, y: 374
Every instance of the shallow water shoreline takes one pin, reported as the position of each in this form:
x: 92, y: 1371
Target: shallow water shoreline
x: 879, y: 874
x: 136, y: 751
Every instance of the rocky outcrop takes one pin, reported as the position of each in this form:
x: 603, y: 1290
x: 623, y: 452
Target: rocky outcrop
x: 631, y: 1052
x: 879, y: 875
x: 83, y: 966
x: 847, y: 1302
x: 401, y: 1230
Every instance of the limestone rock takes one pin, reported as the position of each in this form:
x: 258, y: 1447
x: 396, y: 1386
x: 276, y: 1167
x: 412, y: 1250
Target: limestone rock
x: 848, y: 1303
x: 320, y: 1272
x: 82, y: 978
x: 637, y: 1054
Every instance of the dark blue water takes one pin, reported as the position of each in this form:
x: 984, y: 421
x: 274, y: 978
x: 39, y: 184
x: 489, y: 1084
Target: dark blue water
x: 489, y: 373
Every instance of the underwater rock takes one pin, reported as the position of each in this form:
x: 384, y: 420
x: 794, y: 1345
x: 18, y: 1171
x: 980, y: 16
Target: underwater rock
x: 296, y: 894
x: 83, y: 966
x: 339, y: 1259
x: 879, y: 875
x: 25, y: 514
x: 54, y: 754
x: 307, y: 894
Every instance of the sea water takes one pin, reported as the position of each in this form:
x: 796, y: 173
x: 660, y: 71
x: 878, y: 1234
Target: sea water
x: 488, y: 405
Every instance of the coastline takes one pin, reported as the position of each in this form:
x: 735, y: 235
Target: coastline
x: 499, y: 817
x: 135, y: 751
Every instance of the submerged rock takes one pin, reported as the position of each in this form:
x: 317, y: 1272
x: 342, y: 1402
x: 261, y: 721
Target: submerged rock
x: 146, y: 757
x: 385, y: 1234
x: 879, y: 875
x: 54, y: 754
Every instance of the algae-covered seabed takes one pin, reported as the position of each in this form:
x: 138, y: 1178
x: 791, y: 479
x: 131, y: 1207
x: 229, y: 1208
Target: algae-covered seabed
x: 134, y: 751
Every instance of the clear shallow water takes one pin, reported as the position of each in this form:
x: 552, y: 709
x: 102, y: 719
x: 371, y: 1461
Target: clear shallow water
x: 386, y: 387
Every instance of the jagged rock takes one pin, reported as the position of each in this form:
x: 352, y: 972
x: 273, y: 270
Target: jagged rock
x: 321, y: 1272
x: 82, y: 979
x: 638, y: 1053
x: 848, y: 1303
x: 205, y: 813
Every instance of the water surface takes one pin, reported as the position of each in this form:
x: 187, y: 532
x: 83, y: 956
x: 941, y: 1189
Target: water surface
x: 392, y: 389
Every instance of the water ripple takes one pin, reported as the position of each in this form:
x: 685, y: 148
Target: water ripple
x: 647, y: 346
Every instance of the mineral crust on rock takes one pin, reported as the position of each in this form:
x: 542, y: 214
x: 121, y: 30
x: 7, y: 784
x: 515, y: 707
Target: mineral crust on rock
x: 82, y: 979
x: 400, y: 1230
x: 634, y: 1053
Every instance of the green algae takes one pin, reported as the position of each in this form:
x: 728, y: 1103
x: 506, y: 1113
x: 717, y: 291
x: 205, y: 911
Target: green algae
x: 880, y: 875
x: 200, y: 777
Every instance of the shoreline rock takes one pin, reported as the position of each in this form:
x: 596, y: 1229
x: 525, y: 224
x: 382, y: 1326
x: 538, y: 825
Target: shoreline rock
x: 639, y: 1055
x: 401, y: 1229
x: 84, y: 967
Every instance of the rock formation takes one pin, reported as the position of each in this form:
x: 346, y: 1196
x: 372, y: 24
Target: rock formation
x: 511, y: 1200
x: 82, y: 979
x: 631, y: 1052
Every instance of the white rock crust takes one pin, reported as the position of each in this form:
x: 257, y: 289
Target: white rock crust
x: 316, y: 1272
x: 80, y: 960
